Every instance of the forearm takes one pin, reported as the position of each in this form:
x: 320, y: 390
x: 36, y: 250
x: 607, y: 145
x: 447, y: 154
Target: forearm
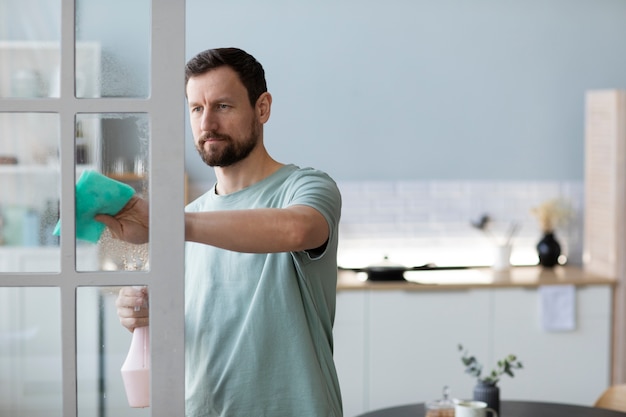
x: 258, y: 230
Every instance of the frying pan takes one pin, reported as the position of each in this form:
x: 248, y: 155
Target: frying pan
x: 392, y: 272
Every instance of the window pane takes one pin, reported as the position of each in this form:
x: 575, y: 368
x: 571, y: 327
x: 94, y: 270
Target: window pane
x: 102, y: 347
x: 125, y: 58
x: 114, y: 145
x: 30, y: 184
x: 29, y: 48
x: 30, y: 352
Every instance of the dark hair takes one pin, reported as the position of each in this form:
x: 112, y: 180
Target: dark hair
x: 248, y: 69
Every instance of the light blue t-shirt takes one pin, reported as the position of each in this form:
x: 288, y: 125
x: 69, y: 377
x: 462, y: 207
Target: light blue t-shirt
x: 258, y: 327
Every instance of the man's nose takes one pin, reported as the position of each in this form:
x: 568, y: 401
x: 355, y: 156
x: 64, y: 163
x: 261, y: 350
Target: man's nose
x: 208, y: 121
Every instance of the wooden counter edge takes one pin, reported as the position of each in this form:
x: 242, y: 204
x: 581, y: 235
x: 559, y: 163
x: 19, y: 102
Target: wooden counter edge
x: 516, y: 277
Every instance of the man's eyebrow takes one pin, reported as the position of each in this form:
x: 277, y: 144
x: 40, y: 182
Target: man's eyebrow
x: 222, y: 99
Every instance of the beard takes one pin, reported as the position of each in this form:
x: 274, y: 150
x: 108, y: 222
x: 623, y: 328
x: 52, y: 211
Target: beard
x: 231, y: 151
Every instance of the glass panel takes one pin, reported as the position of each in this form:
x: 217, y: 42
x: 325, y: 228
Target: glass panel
x: 30, y: 184
x: 116, y: 146
x: 30, y: 352
x: 29, y: 48
x: 123, y: 69
x: 103, y: 345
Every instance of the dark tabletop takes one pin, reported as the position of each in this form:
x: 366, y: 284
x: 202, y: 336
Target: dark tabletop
x: 509, y: 409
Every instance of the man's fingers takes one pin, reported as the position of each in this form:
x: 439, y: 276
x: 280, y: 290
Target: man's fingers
x: 109, y: 221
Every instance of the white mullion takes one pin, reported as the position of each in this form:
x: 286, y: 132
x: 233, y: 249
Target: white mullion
x: 29, y: 280
x: 67, y: 210
x: 166, y: 203
x: 114, y: 105
x: 71, y: 104
x: 113, y: 279
x: 81, y: 279
x: 29, y: 105
x: 68, y: 345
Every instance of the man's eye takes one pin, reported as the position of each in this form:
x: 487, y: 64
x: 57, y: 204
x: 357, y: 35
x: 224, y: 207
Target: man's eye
x: 223, y: 106
x: 196, y: 109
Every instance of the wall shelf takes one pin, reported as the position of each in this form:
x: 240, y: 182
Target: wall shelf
x: 126, y: 177
x: 38, y: 169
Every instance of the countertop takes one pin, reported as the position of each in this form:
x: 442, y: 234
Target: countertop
x: 519, y: 276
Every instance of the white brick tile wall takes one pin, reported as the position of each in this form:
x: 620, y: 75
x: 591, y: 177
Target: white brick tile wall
x: 429, y: 221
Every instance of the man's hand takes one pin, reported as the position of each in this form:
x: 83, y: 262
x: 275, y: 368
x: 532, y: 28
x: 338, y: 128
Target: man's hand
x: 132, y: 307
x: 131, y: 224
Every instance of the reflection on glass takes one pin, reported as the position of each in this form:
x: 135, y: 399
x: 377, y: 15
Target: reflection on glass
x: 123, y: 68
x: 30, y: 184
x: 102, y: 346
x: 88, y: 70
x: 117, y: 146
x: 30, y: 352
x: 29, y: 53
x: 31, y: 69
x: 87, y: 140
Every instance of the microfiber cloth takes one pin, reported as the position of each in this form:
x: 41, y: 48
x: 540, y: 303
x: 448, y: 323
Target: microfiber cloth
x: 96, y: 194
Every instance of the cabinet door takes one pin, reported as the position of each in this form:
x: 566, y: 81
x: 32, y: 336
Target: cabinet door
x: 570, y: 367
x: 349, y: 349
x: 413, y: 337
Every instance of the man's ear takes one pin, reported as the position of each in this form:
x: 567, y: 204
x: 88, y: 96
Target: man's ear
x: 263, y: 107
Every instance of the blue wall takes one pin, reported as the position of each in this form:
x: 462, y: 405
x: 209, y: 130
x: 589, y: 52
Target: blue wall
x: 424, y: 89
x: 400, y: 89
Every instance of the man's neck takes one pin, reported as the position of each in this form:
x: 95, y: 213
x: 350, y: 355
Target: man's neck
x: 245, y: 173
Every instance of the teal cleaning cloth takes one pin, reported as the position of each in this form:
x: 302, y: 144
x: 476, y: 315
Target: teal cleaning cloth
x: 96, y: 194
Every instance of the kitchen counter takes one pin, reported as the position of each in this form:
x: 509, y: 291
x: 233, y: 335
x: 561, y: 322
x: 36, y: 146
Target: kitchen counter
x: 396, y: 342
x: 520, y: 276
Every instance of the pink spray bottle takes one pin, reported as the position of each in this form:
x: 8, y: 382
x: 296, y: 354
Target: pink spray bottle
x: 136, y: 368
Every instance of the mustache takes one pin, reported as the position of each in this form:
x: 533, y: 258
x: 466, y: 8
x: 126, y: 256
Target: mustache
x: 212, y: 135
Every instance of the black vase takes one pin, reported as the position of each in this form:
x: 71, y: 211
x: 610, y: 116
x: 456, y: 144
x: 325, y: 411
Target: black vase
x: 548, y: 250
x: 489, y: 393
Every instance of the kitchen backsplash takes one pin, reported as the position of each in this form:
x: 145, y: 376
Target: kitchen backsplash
x: 417, y: 222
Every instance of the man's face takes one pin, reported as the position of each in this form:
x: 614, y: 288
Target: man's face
x: 225, y: 127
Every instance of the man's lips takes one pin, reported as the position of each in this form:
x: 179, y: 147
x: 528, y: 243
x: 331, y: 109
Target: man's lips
x: 212, y: 138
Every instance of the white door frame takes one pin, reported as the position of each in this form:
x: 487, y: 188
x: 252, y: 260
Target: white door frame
x: 165, y: 107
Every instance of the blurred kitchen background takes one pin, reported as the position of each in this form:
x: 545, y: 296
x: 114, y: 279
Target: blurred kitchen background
x: 429, y: 114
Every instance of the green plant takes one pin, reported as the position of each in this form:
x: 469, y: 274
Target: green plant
x: 504, y: 367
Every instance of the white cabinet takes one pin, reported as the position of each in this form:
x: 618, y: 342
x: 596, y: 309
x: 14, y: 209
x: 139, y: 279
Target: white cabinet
x: 570, y: 366
x: 413, y: 340
x: 399, y: 347
x: 350, y: 350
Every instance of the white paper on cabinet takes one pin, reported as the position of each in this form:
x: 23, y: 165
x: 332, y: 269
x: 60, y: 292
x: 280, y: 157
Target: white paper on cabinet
x: 558, y: 308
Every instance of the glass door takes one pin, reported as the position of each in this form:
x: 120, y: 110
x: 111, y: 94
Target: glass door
x: 88, y: 90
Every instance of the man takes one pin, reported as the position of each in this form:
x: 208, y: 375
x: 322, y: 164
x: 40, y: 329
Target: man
x: 261, y: 264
